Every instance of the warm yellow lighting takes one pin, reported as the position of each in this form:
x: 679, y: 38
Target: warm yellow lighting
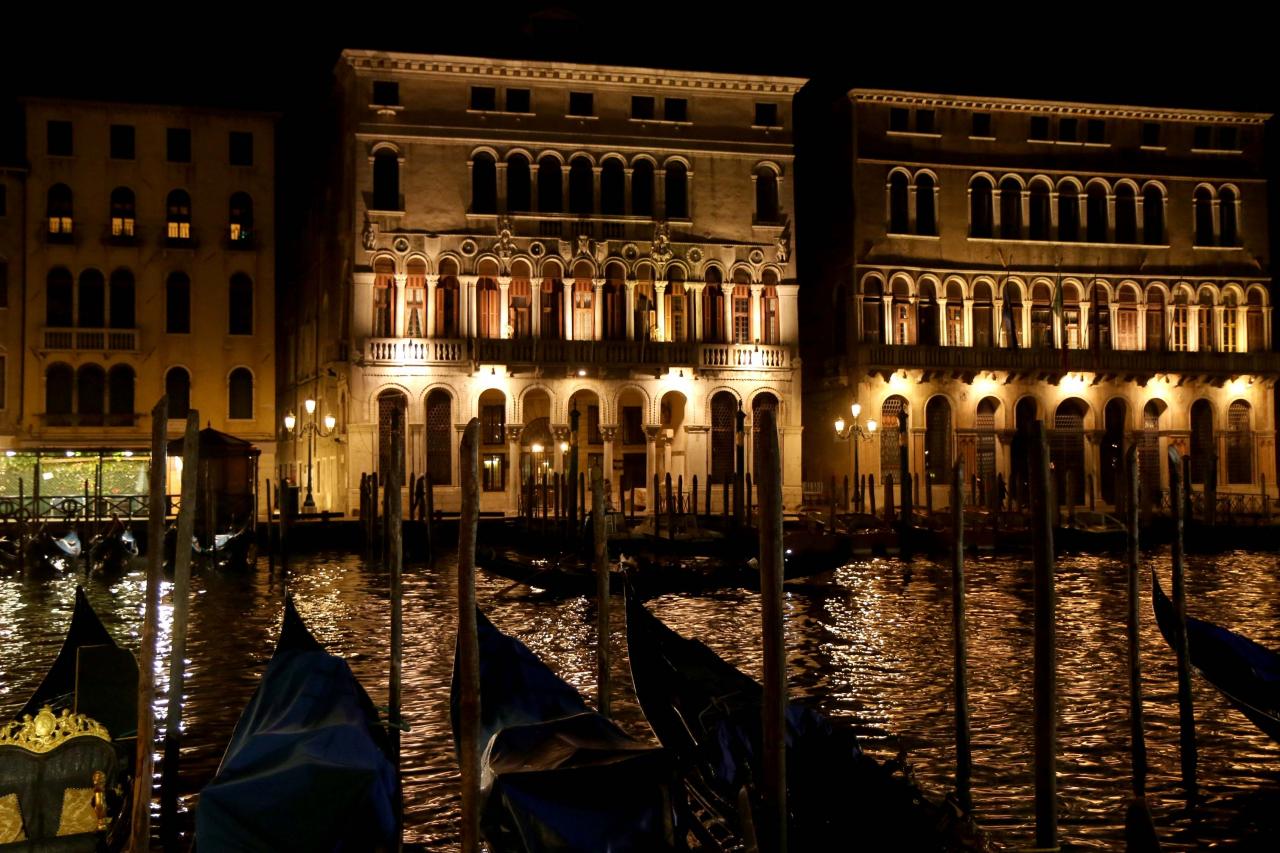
x: 535, y: 447
x: 898, y: 380
x: 47, y: 475
x: 856, y: 408
x: 582, y: 371
x: 330, y: 422
x: 1236, y: 387
x: 309, y: 405
x: 128, y: 453
x: 840, y: 425
x: 70, y: 453
x: 872, y: 426
x: 290, y: 421
x: 564, y: 447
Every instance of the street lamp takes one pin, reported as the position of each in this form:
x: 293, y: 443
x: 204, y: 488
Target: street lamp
x: 853, y: 432
x: 309, y: 430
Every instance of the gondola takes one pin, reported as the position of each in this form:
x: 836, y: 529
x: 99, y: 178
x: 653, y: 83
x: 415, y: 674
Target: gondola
x: 307, y: 767
x: 709, y: 715
x: 113, y: 551
x: 233, y: 550
x: 66, y: 761
x: 1245, y: 672
x: 10, y: 555
x: 557, y: 776
x: 48, y: 552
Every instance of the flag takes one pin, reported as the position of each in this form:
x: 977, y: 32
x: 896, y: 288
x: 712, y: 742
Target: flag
x: 1057, y: 315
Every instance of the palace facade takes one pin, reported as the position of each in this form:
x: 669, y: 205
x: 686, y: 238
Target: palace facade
x: 516, y: 241
x: 1104, y: 269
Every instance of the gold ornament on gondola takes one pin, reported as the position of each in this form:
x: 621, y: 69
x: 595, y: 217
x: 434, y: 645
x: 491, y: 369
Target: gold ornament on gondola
x: 46, y: 732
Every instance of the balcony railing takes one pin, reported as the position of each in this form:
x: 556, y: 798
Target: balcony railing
x: 100, y: 340
x: 763, y: 356
x: 1122, y: 362
x: 518, y: 351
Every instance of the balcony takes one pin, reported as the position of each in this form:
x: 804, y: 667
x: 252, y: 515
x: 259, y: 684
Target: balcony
x: 91, y: 340
x: 1050, y: 363
x: 747, y: 356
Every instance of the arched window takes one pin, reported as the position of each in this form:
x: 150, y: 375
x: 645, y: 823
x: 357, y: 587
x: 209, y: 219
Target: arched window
x: 484, y: 183
x: 1230, y: 333
x: 240, y: 394
x: 1179, y: 339
x: 1066, y: 451
x: 767, y: 195
x: 584, y: 315
x: 550, y: 193
x: 123, y: 212
x: 58, y: 210
x: 1155, y: 320
x: 552, y: 304
x: 1111, y: 454
x: 980, y: 208
x: 177, y: 386
x: 677, y: 186
x: 937, y: 440
x: 1149, y: 451
x: 520, y: 301
x: 982, y: 310
x: 447, y: 300
x: 240, y: 305
x: 59, y: 392
x: 1101, y: 338
x: 122, y: 313
x: 91, y: 307
x: 178, y: 215
x: 642, y: 188
x: 519, y: 196
x: 614, y: 313
x: 724, y: 410
x: 676, y: 305
x: 488, y: 302
x: 1011, y: 317
x: 1096, y: 213
x: 415, y: 298
x: 1202, y: 441
x: 1204, y: 217
x: 120, y: 390
x: 1126, y: 214
x: 1205, y: 323
x: 581, y: 186
x: 899, y: 220
x: 741, y: 308
x: 926, y: 314
x: 985, y: 426
x: 177, y: 304
x: 646, y: 315
x: 1068, y: 213
x: 1255, y: 326
x: 1227, y: 211
x: 1127, y: 318
x: 926, y: 206
x: 1071, y: 337
x: 1042, y: 316
x: 903, y: 315
x: 240, y: 218
x: 1010, y: 209
x: 386, y: 180
x: 91, y: 395
x: 890, y: 414
x: 439, y: 437
x: 872, y: 311
x: 613, y: 188
x: 769, y: 322
x: 384, y: 287
x: 1153, y: 216
x: 713, y: 307
x: 1039, y: 211
x: 760, y: 404
x: 390, y: 401
x: 1239, y: 444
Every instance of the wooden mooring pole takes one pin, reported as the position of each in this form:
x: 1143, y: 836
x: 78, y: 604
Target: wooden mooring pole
x: 1139, y: 829
x: 395, y: 558
x: 468, y: 643
x: 774, y: 784
x: 960, y: 642
x: 1046, y: 667
x: 1186, y: 711
x: 600, y: 543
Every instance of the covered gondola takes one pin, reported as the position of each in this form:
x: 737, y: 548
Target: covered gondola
x: 113, y: 551
x: 50, y: 552
x: 556, y: 775
x: 307, y: 767
x: 709, y: 715
x: 1245, y: 672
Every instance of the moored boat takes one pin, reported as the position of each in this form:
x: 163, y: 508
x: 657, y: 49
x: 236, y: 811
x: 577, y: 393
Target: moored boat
x: 113, y: 551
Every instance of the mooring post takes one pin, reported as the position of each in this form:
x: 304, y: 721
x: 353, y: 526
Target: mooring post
x: 657, y: 510
x: 1186, y: 712
x: 1046, y: 667
x: 680, y: 508
x: 395, y: 559
x: 774, y: 784
x: 1266, y: 501
x: 693, y: 498
x: 871, y: 492
x: 1140, y: 833
x: 739, y: 463
x: 960, y: 642
x: 601, y: 561
x: 889, y: 512
x: 140, y: 837
x: 1093, y: 501
x: 1188, y: 514
x: 671, y: 510
x: 85, y: 549
x: 831, y: 505
x: 468, y: 652
x: 844, y: 504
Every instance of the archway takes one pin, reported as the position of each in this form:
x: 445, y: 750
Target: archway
x: 1202, y: 450
x: 1111, y: 456
x: 1066, y: 451
x: 390, y: 401
x: 439, y: 437
x: 891, y: 412
x: 493, y: 441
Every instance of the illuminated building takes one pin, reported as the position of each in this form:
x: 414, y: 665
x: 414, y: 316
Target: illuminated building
x: 516, y: 240
x: 12, y: 254
x: 1105, y: 269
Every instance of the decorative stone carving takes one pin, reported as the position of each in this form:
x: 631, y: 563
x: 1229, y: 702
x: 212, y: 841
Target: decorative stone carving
x: 783, y: 250
x: 513, y: 432
x: 369, y: 235
x: 401, y: 245
x: 756, y: 257
x: 566, y: 250
x: 468, y: 247
x: 602, y: 251
x: 661, y: 248
x: 505, y: 246
x: 630, y: 252
x: 584, y: 245
x: 694, y: 255
x: 608, y: 433
x: 537, y: 249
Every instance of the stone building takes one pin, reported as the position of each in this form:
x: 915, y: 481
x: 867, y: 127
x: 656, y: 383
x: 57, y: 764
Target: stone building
x: 1102, y: 268
x: 145, y: 265
x: 514, y: 241
x: 12, y: 254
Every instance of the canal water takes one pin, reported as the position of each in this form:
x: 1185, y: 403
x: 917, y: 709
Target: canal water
x: 873, y: 649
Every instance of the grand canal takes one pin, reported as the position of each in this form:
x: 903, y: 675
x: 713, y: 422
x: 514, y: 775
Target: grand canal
x: 873, y: 649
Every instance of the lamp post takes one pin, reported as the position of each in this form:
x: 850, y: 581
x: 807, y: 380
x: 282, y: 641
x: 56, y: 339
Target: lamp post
x: 853, y: 432
x: 309, y: 430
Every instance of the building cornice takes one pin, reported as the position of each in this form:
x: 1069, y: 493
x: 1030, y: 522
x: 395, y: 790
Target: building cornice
x: 940, y: 165
x: 924, y: 99
x: 603, y: 143
x: 888, y: 269
x: 565, y: 72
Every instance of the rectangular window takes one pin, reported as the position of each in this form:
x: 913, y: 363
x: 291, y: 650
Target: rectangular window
x: 582, y: 104
x: 178, y: 145
x: 1039, y: 130
x: 1127, y: 329
x: 484, y: 98
x: 495, y: 472
x: 981, y: 126
x: 1227, y: 139
x: 741, y: 318
x: 593, y: 425
x: 518, y: 101
x: 1071, y: 327
x: 493, y: 423
x: 122, y: 142
x: 1179, y: 341
x: 955, y: 325
x: 1096, y: 131
x: 240, y: 148
x: 898, y: 118
x: 178, y: 311
x: 1067, y: 130
x: 59, y: 138
x: 386, y: 93
x: 1151, y: 134
x: 1202, y: 137
x: 642, y: 106
x: 675, y: 109
x: 925, y: 121
x: 632, y: 426
x: 767, y: 115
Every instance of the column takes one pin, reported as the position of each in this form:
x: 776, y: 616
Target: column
x: 502, y: 184
x: 568, y: 310
x: 597, y: 307
x: 432, y: 281
x: 942, y: 315
x: 595, y: 190
x: 1142, y: 321
x: 1193, y: 326
x: 535, y: 307
x: 467, y: 323
x: 997, y: 307
x: 513, y: 468
x: 401, y: 280
x: 1217, y: 327
x: 756, y: 311
x: 608, y: 433
x: 911, y: 207
x: 651, y: 464
x: 1086, y: 324
x: 727, y: 289
x: 631, y: 309
x: 659, y: 290
x: 968, y: 322
x: 1111, y: 217
x: 695, y: 308
x: 504, y: 309
x: 626, y: 177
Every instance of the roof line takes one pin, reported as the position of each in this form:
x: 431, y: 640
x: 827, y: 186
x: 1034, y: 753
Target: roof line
x: 1075, y: 107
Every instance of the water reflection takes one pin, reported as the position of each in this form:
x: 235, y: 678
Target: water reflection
x: 873, y: 648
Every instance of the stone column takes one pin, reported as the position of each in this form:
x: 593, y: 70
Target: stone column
x: 727, y: 289
x: 695, y: 309
x: 401, y: 280
x: 432, y: 281
x: 911, y: 207
x: 513, y: 468
x: 568, y: 309
x: 1193, y: 327
x: 561, y: 434
x: 502, y: 184
x: 597, y: 307
x: 756, y: 311
x: 651, y: 432
x: 504, y: 308
x: 467, y: 322
x: 1111, y: 217
x: 659, y: 304
x: 631, y: 308
x: 1086, y: 324
x: 626, y: 177
x: 968, y: 322
x: 942, y: 316
x: 595, y: 189
x: 997, y: 308
x: 535, y: 308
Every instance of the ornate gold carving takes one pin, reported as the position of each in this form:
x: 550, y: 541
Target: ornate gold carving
x: 11, y: 829
x: 46, y: 732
